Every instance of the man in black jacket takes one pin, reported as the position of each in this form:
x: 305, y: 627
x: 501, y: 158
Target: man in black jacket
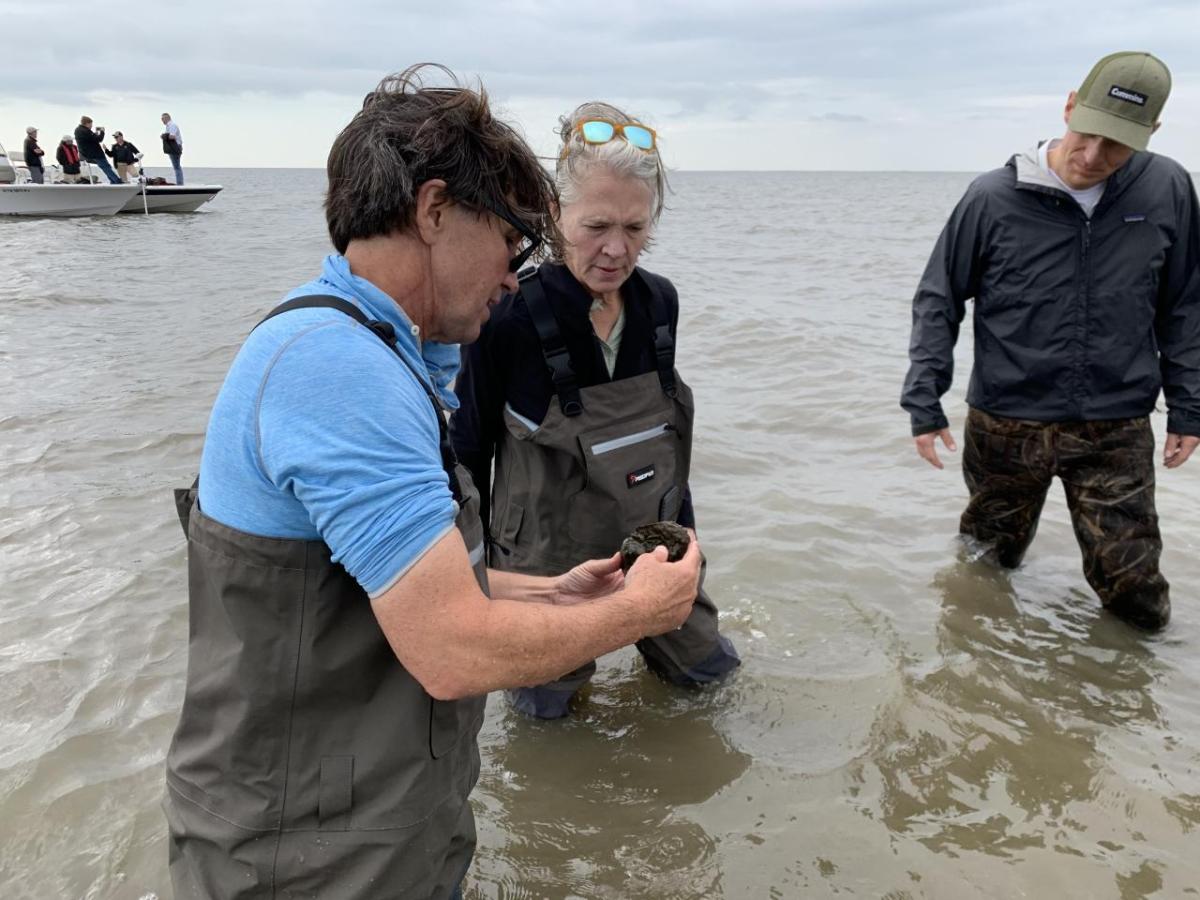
x: 124, y: 155
x: 91, y: 148
x: 33, y: 156
x: 1083, y: 259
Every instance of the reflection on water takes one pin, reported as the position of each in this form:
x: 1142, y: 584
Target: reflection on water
x: 1013, y: 751
x: 602, y: 799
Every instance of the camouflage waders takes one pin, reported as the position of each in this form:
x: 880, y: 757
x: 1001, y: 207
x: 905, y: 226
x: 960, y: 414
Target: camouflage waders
x: 1107, y: 471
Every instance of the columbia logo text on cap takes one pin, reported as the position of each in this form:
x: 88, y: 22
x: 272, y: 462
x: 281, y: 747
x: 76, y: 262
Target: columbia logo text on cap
x: 1127, y: 95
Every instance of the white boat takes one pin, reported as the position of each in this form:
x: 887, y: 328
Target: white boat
x: 161, y: 198
x: 64, y: 199
x: 21, y: 198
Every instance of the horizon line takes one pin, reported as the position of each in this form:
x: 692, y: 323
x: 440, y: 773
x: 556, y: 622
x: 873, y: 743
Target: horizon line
x: 672, y: 171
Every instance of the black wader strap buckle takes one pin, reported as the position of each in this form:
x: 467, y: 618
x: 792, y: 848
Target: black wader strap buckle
x: 386, y: 332
x: 554, y: 348
x: 664, y: 344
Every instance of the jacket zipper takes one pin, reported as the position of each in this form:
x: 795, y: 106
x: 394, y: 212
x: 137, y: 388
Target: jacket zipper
x: 1081, y: 375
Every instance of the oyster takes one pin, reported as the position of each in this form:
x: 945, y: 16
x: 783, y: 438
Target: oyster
x: 671, y: 535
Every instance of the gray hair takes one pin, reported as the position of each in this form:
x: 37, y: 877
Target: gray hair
x: 578, y: 159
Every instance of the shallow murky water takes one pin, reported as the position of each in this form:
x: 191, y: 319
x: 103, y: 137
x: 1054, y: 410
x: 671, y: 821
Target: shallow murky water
x: 908, y: 722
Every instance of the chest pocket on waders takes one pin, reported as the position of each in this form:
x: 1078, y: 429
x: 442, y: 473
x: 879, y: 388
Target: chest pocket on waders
x: 628, y: 466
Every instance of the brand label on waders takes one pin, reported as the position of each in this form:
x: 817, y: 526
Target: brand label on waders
x: 639, y: 476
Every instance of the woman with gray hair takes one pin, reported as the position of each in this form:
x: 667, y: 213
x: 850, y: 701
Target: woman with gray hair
x: 572, y: 394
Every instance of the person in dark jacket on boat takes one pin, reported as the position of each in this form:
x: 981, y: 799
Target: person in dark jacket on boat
x: 1082, y: 257
x: 91, y: 147
x: 33, y: 156
x: 67, y: 155
x: 342, y: 639
x: 124, y: 155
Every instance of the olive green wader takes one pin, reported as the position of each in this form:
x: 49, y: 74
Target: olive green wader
x: 307, y: 761
x: 604, y: 460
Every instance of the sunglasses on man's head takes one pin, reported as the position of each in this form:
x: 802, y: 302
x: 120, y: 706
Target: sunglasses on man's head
x: 526, y: 231
x: 601, y: 131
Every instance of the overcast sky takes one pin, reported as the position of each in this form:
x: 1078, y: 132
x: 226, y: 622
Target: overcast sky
x: 757, y: 84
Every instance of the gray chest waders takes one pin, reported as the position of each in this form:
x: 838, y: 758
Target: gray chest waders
x: 307, y: 761
x: 604, y: 460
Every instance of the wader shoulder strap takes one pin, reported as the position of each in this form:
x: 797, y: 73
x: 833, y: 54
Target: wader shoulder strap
x: 386, y: 332
x: 664, y: 344
x: 554, y: 348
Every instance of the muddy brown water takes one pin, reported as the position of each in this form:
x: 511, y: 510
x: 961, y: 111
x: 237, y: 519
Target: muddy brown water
x: 908, y: 722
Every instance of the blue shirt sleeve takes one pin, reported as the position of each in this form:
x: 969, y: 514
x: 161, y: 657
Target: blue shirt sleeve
x: 344, y: 426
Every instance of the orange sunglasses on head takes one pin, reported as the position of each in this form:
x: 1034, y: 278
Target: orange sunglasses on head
x: 601, y: 131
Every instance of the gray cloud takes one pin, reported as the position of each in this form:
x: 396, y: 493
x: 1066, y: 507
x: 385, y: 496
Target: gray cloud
x: 837, y: 117
x: 836, y: 61
x: 705, y: 52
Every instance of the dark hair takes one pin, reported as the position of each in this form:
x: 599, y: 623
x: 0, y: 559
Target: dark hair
x: 407, y: 134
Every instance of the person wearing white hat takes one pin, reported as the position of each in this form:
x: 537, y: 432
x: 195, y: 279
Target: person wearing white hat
x: 33, y: 156
x: 68, y: 159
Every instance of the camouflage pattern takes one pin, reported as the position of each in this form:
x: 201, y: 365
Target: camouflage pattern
x: 1107, y: 471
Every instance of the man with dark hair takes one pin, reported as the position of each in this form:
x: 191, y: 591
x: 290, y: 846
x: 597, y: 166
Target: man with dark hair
x: 91, y: 148
x: 1083, y: 259
x: 125, y: 155
x: 342, y: 639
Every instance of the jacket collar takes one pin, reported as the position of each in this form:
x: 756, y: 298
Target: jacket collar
x: 1031, y: 176
x: 576, y: 300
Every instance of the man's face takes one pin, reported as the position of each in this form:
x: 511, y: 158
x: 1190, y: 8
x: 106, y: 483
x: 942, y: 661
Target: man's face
x: 1086, y: 160
x: 471, y: 273
x: 165, y: 118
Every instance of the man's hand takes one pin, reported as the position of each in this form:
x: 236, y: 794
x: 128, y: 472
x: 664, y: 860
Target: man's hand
x: 589, y: 580
x: 1178, y: 448
x: 927, y: 449
x: 665, y: 590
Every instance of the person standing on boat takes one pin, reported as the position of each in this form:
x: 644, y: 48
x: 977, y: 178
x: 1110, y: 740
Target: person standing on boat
x: 125, y: 155
x: 602, y: 446
x: 1083, y: 259
x: 67, y: 155
x: 33, y: 156
x: 91, y: 148
x: 172, y: 142
x: 341, y: 635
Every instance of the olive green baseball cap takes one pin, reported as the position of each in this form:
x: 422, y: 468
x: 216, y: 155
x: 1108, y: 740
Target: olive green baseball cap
x: 1122, y: 98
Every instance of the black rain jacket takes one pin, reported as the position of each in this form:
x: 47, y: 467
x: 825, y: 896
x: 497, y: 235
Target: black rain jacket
x: 123, y: 153
x: 1074, y: 319
x: 33, y: 159
x: 88, y: 142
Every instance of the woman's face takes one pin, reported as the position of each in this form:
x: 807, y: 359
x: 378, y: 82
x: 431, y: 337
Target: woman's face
x: 605, y: 229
